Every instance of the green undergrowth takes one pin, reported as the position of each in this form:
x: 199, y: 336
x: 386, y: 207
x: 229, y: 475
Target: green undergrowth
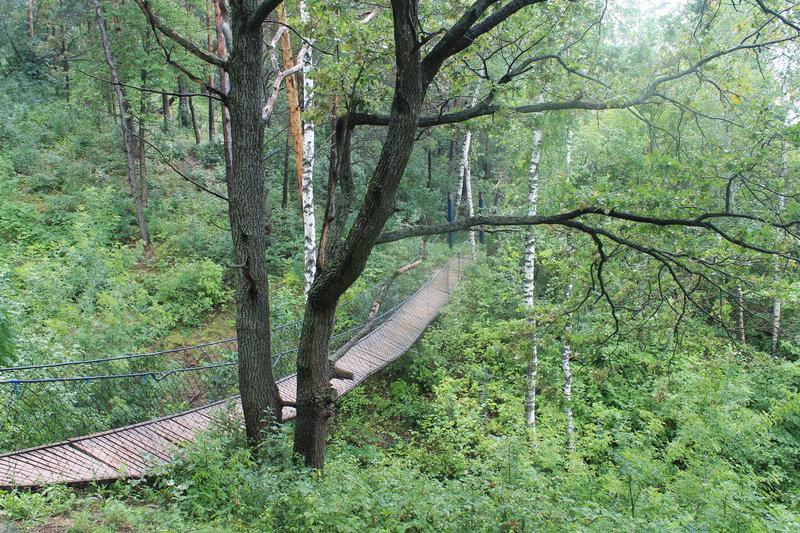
x: 707, y: 439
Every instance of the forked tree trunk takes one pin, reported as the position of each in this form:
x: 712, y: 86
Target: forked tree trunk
x: 126, y: 125
x: 529, y: 282
x: 346, y: 257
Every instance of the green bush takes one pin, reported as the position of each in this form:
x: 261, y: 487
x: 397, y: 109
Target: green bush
x: 189, y: 289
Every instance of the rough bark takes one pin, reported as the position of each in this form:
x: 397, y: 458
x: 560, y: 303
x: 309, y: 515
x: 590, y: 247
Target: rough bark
x: 247, y: 196
x: 183, y: 103
x: 347, y: 258
x: 165, y: 111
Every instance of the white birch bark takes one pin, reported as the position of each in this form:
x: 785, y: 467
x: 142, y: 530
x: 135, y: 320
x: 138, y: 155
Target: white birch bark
x: 740, y: 313
x: 309, y: 220
x: 465, y: 176
x: 566, y: 365
x: 529, y: 282
x: 466, y: 181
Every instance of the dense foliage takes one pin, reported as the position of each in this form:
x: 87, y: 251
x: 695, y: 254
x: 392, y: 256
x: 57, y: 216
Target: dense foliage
x: 685, y: 390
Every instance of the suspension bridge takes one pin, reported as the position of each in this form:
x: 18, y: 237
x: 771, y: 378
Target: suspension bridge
x: 56, y: 417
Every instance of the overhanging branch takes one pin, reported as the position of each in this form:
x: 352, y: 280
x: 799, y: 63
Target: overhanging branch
x: 159, y: 24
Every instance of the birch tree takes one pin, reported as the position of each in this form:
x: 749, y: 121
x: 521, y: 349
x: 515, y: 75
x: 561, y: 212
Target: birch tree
x: 309, y: 219
x: 529, y: 279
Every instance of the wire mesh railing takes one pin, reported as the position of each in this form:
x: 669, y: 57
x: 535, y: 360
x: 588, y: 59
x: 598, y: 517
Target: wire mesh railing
x: 47, y: 403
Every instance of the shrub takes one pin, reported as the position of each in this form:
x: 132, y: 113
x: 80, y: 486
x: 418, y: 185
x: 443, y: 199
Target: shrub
x: 190, y: 289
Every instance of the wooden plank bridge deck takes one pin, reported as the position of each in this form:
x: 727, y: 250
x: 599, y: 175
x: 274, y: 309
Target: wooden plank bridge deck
x: 133, y: 450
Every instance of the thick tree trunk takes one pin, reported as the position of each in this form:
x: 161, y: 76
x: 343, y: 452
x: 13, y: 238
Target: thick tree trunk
x: 309, y: 218
x: 247, y: 200
x: 346, y: 258
x: 529, y: 282
x: 126, y: 125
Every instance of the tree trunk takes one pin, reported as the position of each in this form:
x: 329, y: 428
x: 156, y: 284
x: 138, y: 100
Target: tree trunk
x: 293, y: 101
x: 212, y: 121
x: 31, y: 31
x: 165, y: 112
x: 247, y: 200
x: 529, y: 282
x: 566, y: 365
x: 346, y: 258
x: 197, y: 137
x: 145, y: 191
x: 183, y: 103
x: 126, y: 125
x: 285, y: 188
x: 221, y: 21
x: 465, y: 173
x: 309, y: 218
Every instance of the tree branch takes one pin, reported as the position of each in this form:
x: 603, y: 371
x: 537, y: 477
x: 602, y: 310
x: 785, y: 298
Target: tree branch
x: 777, y: 15
x: 376, y: 304
x: 261, y: 13
x: 703, y: 221
x: 186, y: 44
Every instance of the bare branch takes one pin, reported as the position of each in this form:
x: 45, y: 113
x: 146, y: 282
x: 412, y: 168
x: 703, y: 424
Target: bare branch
x: 147, y: 89
x: 280, y: 75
